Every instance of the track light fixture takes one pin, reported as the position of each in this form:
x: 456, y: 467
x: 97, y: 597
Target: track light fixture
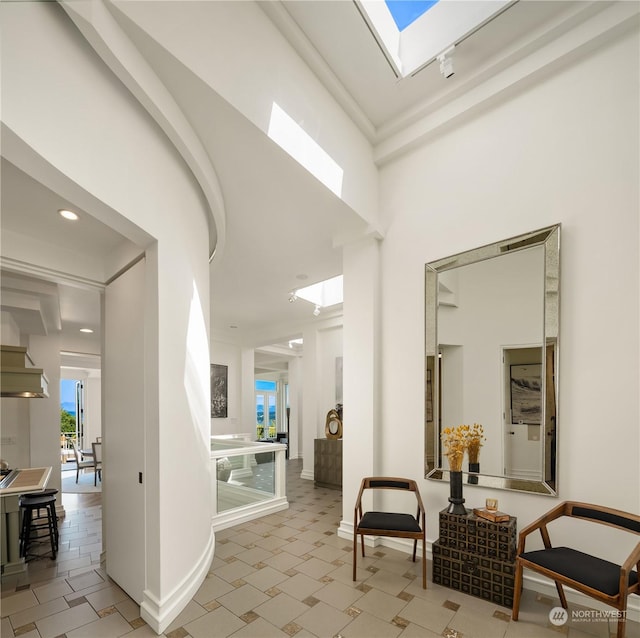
x: 316, y: 311
x: 446, y: 62
x: 292, y: 297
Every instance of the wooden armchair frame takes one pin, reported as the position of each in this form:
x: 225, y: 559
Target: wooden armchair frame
x: 582, y: 572
x: 394, y: 524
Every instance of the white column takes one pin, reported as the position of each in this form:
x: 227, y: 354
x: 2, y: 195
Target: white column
x: 361, y: 374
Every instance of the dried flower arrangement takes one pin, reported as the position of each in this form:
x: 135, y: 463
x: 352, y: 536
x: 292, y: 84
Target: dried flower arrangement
x: 455, y: 443
x: 475, y: 437
x: 460, y: 438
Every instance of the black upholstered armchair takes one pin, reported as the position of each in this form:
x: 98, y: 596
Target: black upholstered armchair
x: 395, y: 524
x: 593, y: 576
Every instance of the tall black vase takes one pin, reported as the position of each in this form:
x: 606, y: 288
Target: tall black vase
x: 456, y: 501
x: 474, y: 470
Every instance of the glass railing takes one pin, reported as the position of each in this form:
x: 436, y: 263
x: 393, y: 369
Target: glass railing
x: 249, y: 479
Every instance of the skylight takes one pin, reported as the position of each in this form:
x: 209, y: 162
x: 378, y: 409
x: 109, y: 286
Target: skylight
x: 413, y: 33
x: 293, y: 139
x: 324, y: 293
x: 405, y: 12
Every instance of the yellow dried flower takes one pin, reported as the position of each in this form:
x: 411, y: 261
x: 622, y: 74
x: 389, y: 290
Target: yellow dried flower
x: 460, y: 438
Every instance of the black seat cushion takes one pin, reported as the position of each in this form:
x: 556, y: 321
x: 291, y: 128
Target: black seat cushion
x: 585, y: 569
x: 390, y: 521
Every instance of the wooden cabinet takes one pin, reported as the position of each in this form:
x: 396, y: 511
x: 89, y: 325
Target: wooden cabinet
x: 476, y: 556
x: 327, y: 463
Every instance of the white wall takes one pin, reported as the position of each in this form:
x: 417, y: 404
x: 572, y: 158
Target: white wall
x: 102, y: 141
x: 241, y: 388
x: 330, y: 348
x: 564, y: 149
x: 264, y: 69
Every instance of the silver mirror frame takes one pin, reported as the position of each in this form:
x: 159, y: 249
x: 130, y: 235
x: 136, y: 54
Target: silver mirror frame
x: 549, y: 238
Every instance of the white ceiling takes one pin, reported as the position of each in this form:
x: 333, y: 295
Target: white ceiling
x: 278, y: 238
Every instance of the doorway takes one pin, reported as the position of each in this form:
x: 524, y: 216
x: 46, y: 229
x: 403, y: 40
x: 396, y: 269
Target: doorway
x: 522, y: 411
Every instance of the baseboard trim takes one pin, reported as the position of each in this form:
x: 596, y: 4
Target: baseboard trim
x: 159, y: 614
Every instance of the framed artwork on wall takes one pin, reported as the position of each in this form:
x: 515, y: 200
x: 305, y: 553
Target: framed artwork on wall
x: 219, y: 395
x: 526, y: 394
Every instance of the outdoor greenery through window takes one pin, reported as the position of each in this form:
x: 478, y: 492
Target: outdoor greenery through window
x: 266, y: 416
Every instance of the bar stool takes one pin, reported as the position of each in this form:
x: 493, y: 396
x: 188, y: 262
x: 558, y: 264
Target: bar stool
x: 33, y: 525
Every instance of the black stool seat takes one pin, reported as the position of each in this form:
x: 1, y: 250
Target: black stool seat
x: 33, y: 523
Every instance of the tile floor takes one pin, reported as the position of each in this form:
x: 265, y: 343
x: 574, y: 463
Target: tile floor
x: 287, y: 574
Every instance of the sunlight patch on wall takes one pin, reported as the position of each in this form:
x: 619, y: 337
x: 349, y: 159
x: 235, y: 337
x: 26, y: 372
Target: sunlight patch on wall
x: 196, y: 369
x: 293, y: 139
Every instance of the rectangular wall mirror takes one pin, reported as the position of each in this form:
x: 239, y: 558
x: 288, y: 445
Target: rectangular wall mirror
x: 492, y: 324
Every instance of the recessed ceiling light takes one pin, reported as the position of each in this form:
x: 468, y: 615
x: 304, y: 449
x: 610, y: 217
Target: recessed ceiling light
x: 86, y: 330
x: 302, y: 276
x: 68, y: 214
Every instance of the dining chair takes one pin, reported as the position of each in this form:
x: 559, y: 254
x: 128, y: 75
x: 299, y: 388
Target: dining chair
x: 400, y: 525
x: 80, y: 462
x: 97, y: 461
x: 601, y: 579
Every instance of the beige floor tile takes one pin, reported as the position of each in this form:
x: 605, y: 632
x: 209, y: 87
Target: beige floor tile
x: 243, y: 599
x: 381, y: 605
x: 254, y: 556
x: 428, y: 615
x: 265, y: 578
x: 366, y: 625
x: 212, y: 588
x: 315, y: 568
x: 323, y: 620
x: 284, y: 561
x: 416, y: 631
x: 300, y: 586
x: 190, y: 613
x: 219, y: 623
x: 234, y: 571
x: 339, y: 595
x: 298, y: 548
x: 281, y: 609
x: 39, y: 611
x: 65, y: 621
x: 106, y: 597
x: 470, y: 623
x: 228, y: 549
x: 111, y: 626
x: 388, y: 582
x: 15, y: 603
x: 129, y: 609
x: 260, y: 628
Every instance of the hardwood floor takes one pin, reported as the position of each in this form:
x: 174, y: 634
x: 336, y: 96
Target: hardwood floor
x: 73, y: 502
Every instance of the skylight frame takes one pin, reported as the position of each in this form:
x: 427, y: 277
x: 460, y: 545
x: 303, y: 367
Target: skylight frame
x: 442, y: 26
x: 323, y: 294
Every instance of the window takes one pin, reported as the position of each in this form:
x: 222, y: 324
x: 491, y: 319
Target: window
x: 266, y: 409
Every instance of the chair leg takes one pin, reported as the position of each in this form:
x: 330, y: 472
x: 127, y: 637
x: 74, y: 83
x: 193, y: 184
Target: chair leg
x: 424, y: 564
x: 622, y: 619
x: 517, y: 591
x: 362, y: 540
x: 355, y: 553
x: 415, y: 545
x: 563, y: 598
x: 77, y: 472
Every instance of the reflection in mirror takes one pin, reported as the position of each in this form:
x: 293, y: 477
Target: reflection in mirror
x: 491, y: 358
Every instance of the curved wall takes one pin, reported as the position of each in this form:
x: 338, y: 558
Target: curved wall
x: 62, y: 102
